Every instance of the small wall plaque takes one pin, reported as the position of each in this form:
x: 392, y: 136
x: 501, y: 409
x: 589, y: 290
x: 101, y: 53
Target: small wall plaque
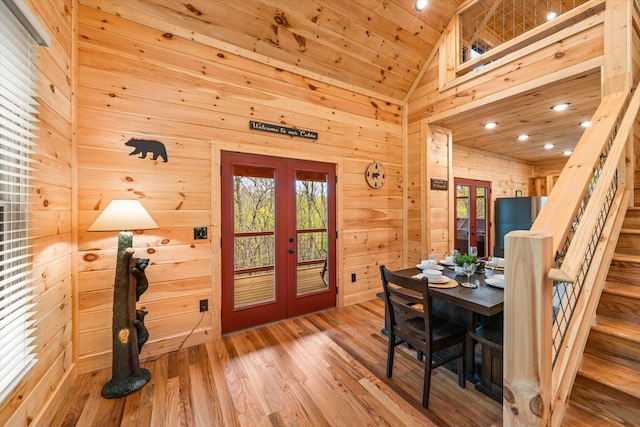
x: 281, y: 130
x: 439, y: 184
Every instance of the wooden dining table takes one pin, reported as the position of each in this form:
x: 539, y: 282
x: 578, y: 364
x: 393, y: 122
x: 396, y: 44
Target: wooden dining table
x: 485, y: 300
x: 467, y: 307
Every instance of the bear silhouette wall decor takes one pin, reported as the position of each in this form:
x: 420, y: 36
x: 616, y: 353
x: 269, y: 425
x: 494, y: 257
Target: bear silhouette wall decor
x: 144, y: 146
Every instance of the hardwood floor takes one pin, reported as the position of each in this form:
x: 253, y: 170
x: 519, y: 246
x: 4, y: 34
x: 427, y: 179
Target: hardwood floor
x: 325, y: 369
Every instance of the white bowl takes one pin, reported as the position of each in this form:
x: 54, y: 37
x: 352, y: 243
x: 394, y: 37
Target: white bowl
x: 432, y: 275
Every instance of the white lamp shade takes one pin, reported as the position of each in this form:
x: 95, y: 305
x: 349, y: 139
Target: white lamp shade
x: 123, y: 215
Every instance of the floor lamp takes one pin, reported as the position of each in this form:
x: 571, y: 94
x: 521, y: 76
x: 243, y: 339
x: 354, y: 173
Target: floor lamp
x: 130, y: 282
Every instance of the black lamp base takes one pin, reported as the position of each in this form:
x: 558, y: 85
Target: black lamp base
x: 114, y: 389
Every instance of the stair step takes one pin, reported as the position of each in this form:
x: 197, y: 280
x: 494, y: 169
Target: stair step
x: 615, y: 341
x: 627, y: 290
x: 628, y: 241
x: 620, y: 301
x: 577, y: 416
x: 618, y: 378
x: 618, y: 328
x: 632, y: 218
x: 628, y: 258
x: 624, y: 268
x: 632, y: 231
x: 609, y: 390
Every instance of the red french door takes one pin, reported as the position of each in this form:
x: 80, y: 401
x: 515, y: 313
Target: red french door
x: 473, y: 199
x: 278, y: 239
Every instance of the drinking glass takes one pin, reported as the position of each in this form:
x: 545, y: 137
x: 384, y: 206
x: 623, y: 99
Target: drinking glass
x: 492, y: 263
x: 473, y: 250
x: 433, y: 260
x: 469, y: 268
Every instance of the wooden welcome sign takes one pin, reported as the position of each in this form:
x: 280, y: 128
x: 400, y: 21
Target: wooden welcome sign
x: 266, y: 127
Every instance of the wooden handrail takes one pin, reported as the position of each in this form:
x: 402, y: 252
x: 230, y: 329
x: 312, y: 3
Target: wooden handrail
x: 583, y: 235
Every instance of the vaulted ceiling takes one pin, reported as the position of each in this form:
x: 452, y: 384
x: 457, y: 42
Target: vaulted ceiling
x: 375, y: 47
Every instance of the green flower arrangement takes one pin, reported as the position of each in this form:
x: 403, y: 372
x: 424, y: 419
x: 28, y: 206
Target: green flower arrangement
x: 461, y: 259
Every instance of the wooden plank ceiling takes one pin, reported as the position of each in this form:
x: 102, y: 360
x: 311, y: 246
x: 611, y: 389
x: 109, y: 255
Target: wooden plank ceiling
x: 530, y: 113
x: 374, y: 47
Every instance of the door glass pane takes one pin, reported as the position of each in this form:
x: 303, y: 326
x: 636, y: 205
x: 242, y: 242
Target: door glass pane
x: 463, y: 193
x: 311, y: 230
x: 481, y: 214
x: 254, y: 238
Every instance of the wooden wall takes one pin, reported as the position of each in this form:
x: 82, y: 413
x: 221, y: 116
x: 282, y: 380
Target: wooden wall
x: 549, y: 168
x: 51, y: 208
x: 142, y: 82
x: 505, y: 174
x: 430, y: 225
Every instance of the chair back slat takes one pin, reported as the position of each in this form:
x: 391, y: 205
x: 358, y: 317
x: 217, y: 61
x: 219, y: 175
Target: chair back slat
x: 403, y: 306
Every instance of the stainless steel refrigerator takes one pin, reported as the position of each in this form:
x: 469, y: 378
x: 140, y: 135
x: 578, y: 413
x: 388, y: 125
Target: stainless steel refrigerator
x: 514, y: 213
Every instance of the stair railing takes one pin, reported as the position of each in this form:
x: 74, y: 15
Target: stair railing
x: 556, y: 271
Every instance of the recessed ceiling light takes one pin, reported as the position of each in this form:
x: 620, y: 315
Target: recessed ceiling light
x: 490, y: 125
x: 523, y: 137
x: 548, y: 146
x: 561, y: 107
x: 551, y: 16
x: 421, y: 4
x: 585, y: 124
x: 567, y: 153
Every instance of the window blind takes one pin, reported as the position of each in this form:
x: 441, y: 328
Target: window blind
x: 17, y: 118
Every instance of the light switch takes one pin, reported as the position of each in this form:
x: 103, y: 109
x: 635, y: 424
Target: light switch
x: 200, y: 233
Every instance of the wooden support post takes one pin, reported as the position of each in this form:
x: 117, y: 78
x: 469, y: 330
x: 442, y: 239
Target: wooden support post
x: 528, y: 317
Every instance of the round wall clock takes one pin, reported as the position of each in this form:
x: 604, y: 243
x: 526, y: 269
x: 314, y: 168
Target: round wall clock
x: 375, y: 175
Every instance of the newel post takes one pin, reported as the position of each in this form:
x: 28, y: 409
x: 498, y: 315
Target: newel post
x: 528, y: 316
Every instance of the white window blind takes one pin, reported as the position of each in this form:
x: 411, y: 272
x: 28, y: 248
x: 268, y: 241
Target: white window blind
x: 17, y: 118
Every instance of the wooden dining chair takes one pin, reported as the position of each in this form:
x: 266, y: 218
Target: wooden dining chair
x: 408, y: 306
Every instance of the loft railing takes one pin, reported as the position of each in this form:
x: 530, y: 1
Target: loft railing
x: 486, y: 24
x: 557, y: 270
x: 491, y: 29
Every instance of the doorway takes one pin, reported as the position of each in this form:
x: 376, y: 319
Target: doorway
x: 472, y: 202
x: 278, y: 239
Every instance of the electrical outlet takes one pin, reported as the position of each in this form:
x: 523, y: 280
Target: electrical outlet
x: 204, y: 305
x: 353, y: 277
x: 199, y: 233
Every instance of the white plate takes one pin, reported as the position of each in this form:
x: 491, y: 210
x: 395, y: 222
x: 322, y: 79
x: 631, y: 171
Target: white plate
x: 441, y: 279
x: 493, y: 282
x: 444, y: 262
x: 435, y: 267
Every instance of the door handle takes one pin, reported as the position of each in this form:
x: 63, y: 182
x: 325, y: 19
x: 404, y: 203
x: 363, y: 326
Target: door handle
x: 292, y: 251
